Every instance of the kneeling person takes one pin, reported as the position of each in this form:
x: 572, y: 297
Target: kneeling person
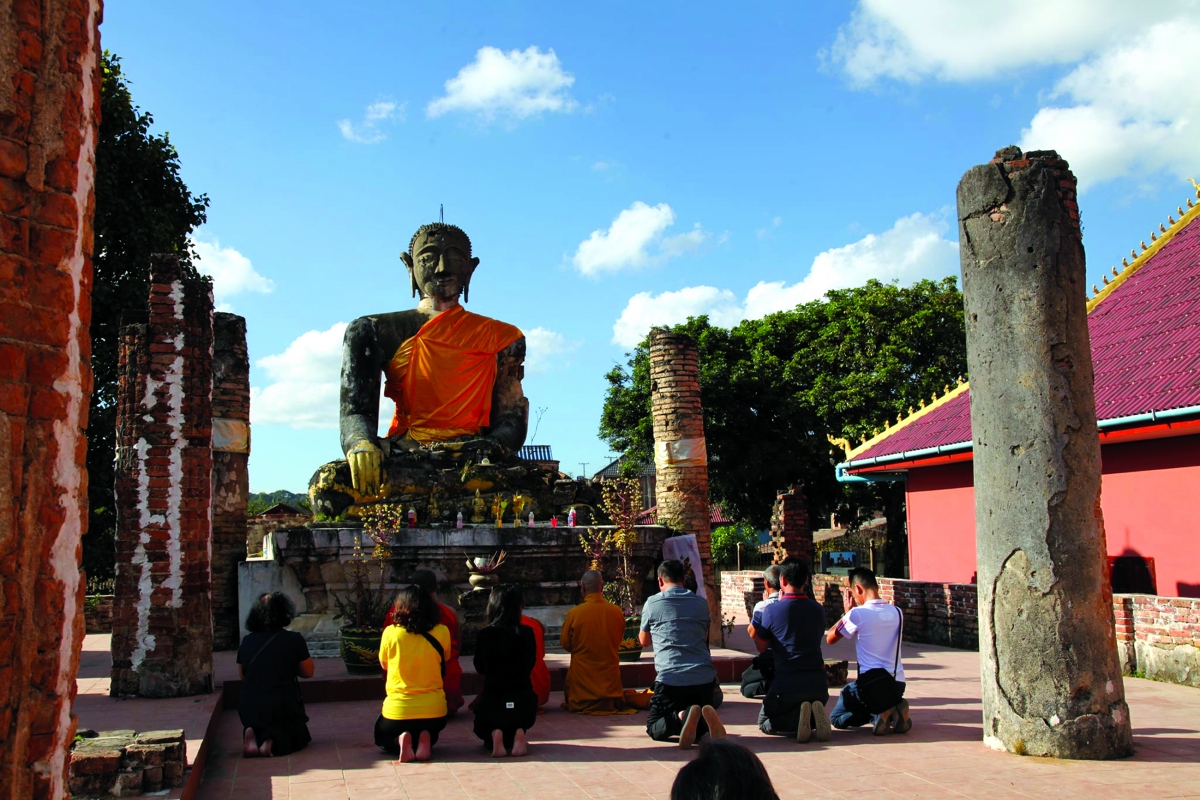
x: 791, y: 629
x: 686, y: 692
x: 876, y: 696
x: 756, y: 680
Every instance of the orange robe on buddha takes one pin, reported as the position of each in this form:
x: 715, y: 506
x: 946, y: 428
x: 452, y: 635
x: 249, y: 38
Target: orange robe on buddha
x: 441, y: 378
x: 592, y: 633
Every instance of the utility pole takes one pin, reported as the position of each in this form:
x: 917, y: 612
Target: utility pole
x: 584, y: 465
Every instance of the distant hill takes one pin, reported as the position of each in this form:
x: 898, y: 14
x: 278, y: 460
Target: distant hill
x: 259, y: 502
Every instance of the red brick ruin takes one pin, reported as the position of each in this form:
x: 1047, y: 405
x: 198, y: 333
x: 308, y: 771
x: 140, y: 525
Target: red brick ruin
x: 231, y: 473
x: 791, y: 535
x: 48, y: 122
x: 680, y: 452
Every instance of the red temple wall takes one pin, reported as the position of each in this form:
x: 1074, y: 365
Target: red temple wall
x: 1146, y: 494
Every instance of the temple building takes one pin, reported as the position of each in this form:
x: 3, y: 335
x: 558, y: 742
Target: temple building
x: 1144, y: 326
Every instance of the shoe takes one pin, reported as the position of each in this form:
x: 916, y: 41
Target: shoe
x: 687, y: 736
x: 715, y: 729
x: 804, y: 731
x: 822, y: 731
x: 903, y: 723
x: 883, y: 723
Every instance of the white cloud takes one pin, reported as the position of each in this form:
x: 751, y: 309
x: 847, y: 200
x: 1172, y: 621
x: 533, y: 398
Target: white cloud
x: 635, y: 239
x: 908, y: 40
x: 1129, y: 110
x: 515, y: 85
x: 371, y: 129
x: 913, y: 249
x: 547, y: 350
x: 304, y: 382
x: 232, y: 272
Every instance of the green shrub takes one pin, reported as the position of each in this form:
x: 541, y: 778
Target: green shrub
x: 725, y: 540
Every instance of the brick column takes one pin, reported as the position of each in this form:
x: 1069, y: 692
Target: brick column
x: 49, y: 112
x: 162, y: 620
x: 791, y: 535
x: 680, y: 453
x: 231, y: 475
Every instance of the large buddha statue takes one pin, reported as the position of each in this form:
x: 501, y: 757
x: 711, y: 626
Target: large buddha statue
x: 454, y: 376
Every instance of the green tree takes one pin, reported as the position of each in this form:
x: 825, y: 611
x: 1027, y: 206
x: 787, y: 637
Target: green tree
x: 142, y: 207
x: 776, y: 387
x: 725, y: 541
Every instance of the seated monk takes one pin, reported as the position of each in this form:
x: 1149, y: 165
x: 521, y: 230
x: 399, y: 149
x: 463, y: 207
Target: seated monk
x: 592, y: 633
x: 454, y: 376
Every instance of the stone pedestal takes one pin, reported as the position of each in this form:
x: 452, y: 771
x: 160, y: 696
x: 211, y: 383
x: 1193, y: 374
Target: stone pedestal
x: 680, y: 452
x: 162, y: 619
x: 1051, y: 679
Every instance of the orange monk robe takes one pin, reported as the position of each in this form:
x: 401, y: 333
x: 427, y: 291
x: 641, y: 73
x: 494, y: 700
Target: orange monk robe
x: 540, y: 677
x: 592, y: 633
x: 452, y: 682
x: 441, y: 378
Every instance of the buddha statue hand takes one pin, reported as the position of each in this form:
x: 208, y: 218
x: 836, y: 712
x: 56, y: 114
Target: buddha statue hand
x: 366, y: 462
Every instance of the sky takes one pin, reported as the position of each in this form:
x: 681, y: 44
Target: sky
x: 628, y: 167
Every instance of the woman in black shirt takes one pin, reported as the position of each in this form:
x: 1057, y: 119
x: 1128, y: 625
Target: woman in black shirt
x: 269, y: 661
x: 504, y: 655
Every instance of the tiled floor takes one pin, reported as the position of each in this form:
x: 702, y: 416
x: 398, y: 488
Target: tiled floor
x: 576, y: 756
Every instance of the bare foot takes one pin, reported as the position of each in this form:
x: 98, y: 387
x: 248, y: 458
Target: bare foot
x: 264, y: 749
x: 498, y: 745
x: 249, y: 744
x: 520, y: 744
x: 424, y: 747
x: 406, y: 748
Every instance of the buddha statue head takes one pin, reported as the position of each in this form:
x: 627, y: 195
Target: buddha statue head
x: 439, y: 262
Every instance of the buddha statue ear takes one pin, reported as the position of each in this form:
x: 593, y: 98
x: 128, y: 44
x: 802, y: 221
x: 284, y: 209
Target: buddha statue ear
x: 466, y: 293
x: 412, y: 275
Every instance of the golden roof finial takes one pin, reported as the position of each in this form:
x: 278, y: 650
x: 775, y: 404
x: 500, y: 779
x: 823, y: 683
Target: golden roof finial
x: 1132, y: 252
x: 1179, y: 209
x: 922, y: 403
x: 1154, y: 236
x: 959, y: 380
x: 842, y: 443
x: 875, y: 432
x: 863, y: 439
x: 1115, y: 273
x: 1144, y: 248
x: 946, y: 389
x: 1094, y: 289
x: 1170, y: 219
x: 1162, y: 228
x: 933, y: 398
x: 1124, y: 262
x: 899, y: 417
x: 910, y: 409
x: 1105, y: 279
x: 887, y: 424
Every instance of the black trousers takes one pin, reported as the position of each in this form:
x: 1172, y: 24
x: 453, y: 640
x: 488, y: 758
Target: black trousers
x: 756, y: 680
x: 780, y: 712
x: 663, y: 721
x: 387, y: 731
x: 506, y: 712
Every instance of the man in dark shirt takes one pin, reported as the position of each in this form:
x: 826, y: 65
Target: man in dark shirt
x: 792, y: 629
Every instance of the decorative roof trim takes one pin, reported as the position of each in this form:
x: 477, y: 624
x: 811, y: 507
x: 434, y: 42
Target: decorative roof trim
x: 913, y: 416
x: 1156, y: 244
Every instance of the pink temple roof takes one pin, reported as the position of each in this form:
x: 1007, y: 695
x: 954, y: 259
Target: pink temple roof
x: 1145, y: 347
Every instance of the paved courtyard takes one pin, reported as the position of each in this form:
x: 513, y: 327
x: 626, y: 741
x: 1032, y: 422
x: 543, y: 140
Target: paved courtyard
x: 573, y: 756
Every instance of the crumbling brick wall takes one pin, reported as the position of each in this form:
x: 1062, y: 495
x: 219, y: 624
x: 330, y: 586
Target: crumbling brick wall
x: 791, y: 535
x: 162, y: 617
x: 49, y: 113
x: 231, y: 475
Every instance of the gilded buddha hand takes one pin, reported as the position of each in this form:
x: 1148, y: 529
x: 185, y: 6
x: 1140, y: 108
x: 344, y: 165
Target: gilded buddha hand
x: 366, y: 462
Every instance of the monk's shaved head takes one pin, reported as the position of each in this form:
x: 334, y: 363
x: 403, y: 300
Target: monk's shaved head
x: 592, y: 581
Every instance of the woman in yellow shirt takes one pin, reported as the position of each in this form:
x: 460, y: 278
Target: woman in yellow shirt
x: 413, y: 652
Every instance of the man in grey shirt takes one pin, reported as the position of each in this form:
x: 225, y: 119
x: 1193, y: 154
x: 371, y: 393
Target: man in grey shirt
x: 675, y: 624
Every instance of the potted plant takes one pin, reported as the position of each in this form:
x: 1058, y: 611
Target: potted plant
x: 622, y: 502
x: 363, y: 609
x: 484, y: 571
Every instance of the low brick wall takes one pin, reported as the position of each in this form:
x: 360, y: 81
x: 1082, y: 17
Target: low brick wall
x: 934, y: 613
x: 124, y: 763
x: 1159, y: 637
x: 97, y: 613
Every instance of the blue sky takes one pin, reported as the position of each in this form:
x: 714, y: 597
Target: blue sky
x: 626, y: 167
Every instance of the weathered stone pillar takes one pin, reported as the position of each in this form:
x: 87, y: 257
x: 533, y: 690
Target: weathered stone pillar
x: 49, y: 112
x: 162, y: 616
x: 1051, y: 680
x: 231, y: 475
x: 791, y: 535
x: 680, y: 453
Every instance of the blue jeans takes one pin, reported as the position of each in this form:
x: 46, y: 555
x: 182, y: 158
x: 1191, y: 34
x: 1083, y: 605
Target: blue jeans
x: 850, y: 711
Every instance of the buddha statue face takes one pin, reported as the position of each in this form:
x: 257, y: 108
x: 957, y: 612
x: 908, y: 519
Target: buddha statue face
x: 440, y: 264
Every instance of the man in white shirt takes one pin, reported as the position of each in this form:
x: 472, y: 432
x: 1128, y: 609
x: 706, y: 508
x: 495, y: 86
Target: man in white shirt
x: 875, y: 626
